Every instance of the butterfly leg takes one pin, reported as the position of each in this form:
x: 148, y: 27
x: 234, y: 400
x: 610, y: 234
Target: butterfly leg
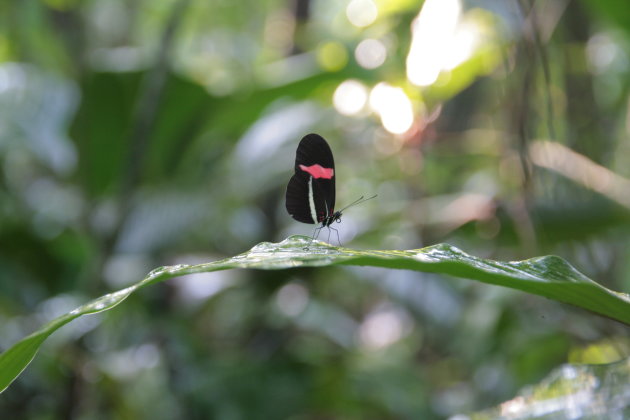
x: 315, y: 235
x: 336, y: 231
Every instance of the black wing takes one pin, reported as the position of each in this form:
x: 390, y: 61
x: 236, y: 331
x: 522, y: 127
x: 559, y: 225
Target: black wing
x: 314, y: 175
x: 297, y: 201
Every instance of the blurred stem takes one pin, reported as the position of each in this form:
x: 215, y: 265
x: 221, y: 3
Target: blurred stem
x: 301, y: 13
x: 147, y: 106
x: 72, y: 33
x: 144, y: 120
x: 542, y: 54
x: 525, y: 54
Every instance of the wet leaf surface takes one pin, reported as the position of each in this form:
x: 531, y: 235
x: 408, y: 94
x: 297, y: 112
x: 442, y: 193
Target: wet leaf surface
x: 548, y: 276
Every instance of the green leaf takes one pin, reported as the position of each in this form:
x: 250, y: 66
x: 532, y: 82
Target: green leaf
x: 100, y: 129
x: 550, y: 276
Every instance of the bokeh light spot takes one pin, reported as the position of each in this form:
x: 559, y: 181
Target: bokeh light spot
x: 370, y: 53
x: 350, y: 97
x: 601, y: 52
x: 439, y: 41
x: 292, y: 299
x: 361, y: 13
x: 393, y: 106
x: 383, y: 328
x: 332, y: 56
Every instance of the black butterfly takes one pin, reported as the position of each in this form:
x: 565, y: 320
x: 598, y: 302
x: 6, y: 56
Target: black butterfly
x: 310, y: 194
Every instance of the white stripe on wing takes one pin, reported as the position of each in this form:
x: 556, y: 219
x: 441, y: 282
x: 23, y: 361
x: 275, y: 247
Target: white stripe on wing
x: 311, y: 200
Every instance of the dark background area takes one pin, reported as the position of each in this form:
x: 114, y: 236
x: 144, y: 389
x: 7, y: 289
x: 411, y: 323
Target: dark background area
x: 140, y: 133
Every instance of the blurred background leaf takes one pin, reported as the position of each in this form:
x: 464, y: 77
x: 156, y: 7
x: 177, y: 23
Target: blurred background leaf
x: 135, y: 134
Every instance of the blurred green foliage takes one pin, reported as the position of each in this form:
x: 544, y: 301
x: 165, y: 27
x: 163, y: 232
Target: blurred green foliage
x: 135, y: 134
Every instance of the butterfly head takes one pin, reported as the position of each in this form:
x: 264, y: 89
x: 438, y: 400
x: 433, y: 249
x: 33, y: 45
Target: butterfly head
x: 335, y: 217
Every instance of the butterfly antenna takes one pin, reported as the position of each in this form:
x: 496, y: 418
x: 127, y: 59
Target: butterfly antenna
x: 357, y: 201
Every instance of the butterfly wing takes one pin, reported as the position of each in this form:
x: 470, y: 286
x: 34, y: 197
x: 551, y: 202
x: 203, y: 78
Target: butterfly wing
x: 297, y: 201
x: 310, y: 193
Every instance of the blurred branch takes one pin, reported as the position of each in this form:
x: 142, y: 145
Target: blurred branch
x: 532, y: 31
x: 148, y: 103
x: 521, y: 112
x: 581, y: 170
x: 301, y: 13
x: 531, y: 50
x: 144, y: 120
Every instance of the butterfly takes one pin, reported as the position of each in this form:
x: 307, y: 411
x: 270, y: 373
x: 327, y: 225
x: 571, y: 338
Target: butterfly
x: 310, y: 196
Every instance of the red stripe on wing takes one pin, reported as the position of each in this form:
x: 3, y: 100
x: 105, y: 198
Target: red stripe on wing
x: 318, y: 171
